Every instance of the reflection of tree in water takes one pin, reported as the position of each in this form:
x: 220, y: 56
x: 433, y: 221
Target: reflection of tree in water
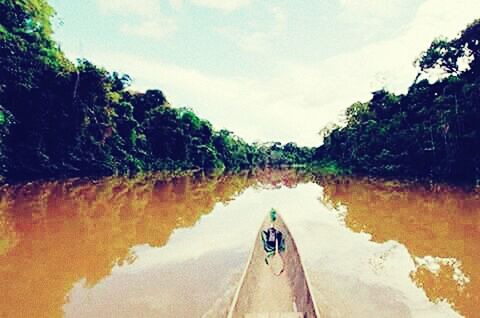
x: 286, y: 177
x: 53, y: 234
x: 442, y: 226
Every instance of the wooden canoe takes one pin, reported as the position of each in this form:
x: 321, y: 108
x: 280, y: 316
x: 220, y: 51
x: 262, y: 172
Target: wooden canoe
x: 263, y: 294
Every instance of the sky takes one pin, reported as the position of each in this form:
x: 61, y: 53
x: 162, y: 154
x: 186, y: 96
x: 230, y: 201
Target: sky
x: 266, y: 70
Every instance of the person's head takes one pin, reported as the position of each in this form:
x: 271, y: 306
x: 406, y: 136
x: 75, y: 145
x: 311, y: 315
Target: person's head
x: 273, y: 216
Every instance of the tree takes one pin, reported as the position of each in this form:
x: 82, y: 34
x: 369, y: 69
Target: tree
x: 431, y: 132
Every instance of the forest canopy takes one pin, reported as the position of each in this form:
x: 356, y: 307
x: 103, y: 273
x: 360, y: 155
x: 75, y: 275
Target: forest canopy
x: 431, y: 132
x: 59, y: 118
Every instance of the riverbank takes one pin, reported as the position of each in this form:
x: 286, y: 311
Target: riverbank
x: 328, y: 169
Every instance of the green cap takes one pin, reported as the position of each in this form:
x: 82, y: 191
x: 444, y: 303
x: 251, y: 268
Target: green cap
x: 273, y: 215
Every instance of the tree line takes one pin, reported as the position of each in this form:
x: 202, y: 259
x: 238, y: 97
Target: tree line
x: 60, y: 119
x: 431, y: 132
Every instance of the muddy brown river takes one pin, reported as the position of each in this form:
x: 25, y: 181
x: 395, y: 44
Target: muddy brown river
x: 150, y: 247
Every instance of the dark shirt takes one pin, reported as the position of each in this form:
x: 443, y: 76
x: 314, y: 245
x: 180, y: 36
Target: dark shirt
x: 270, y: 236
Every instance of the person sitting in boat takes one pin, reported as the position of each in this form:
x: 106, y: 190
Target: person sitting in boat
x: 272, y: 238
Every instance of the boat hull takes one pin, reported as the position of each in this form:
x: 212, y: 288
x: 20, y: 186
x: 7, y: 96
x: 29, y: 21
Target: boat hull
x: 262, y: 292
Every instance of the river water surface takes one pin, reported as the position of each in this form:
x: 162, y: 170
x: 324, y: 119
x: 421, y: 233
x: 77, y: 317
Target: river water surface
x: 148, y: 247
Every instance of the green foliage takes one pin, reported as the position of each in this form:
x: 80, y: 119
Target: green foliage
x: 449, y: 55
x: 430, y: 132
x: 6, y: 121
x: 327, y: 168
x: 441, y: 55
x: 65, y: 119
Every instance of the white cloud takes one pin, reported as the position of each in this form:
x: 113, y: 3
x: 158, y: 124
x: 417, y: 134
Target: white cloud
x: 224, y: 5
x: 372, y: 7
x: 280, y: 18
x: 353, y: 75
x: 144, y: 8
x: 146, y: 18
x: 176, y: 4
x: 365, y: 16
x: 221, y: 5
x: 154, y: 29
x: 259, y: 41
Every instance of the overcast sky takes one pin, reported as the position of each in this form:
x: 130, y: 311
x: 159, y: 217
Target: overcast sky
x: 267, y: 70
